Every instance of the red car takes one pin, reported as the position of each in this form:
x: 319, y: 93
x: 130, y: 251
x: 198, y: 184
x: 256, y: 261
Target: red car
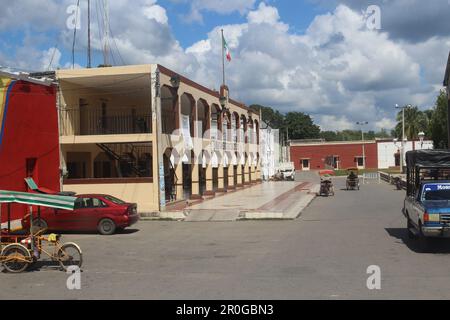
x: 103, y: 213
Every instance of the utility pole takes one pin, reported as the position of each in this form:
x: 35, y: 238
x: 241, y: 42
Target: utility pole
x: 89, y: 34
x: 363, y: 144
x: 156, y: 108
x: 402, y: 154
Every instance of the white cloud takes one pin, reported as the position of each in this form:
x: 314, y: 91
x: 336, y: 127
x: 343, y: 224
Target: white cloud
x: 338, y: 71
x: 264, y: 14
x: 334, y: 123
x: 385, y: 123
x: 50, y: 59
x: 218, y: 6
x: 337, y: 68
x: 157, y: 13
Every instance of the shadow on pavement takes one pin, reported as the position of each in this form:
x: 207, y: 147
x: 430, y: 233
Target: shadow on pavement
x: 120, y: 231
x: 438, y: 246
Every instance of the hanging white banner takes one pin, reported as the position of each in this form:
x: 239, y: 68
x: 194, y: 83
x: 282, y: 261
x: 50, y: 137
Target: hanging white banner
x: 186, y: 132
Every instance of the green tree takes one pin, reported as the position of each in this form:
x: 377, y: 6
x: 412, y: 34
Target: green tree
x: 272, y: 117
x: 301, y: 126
x: 438, y: 122
x: 350, y: 135
x: 329, y: 135
x: 383, y: 134
x: 415, y: 122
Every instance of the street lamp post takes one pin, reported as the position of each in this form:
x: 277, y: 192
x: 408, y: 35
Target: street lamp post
x: 363, y: 144
x: 402, y: 154
x: 421, y: 138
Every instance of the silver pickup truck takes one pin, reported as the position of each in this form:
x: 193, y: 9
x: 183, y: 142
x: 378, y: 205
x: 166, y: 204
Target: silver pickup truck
x: 427, y: 202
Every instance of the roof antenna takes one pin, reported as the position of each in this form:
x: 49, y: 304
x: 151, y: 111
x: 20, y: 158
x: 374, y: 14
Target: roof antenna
x: 106, y: 35
x: 89, y: 34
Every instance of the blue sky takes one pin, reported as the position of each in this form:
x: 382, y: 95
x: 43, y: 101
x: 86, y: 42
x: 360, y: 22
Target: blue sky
x: 298, y: 14
x: 321, y: 57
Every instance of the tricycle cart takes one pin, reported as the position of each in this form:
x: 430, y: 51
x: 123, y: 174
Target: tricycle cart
x: 326, y: 184
x: 352, y: 182
x: 22, y: 248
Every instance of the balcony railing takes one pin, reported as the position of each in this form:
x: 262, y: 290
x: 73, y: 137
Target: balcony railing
x: 94, y: 122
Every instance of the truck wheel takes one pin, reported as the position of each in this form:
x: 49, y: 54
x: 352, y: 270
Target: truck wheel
x: 411, y: 234
x: 423, y: 242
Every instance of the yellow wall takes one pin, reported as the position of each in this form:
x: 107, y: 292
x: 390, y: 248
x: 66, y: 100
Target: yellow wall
x: 140, y: 193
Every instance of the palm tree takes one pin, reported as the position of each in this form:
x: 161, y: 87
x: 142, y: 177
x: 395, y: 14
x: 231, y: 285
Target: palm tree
x: 415, y: 122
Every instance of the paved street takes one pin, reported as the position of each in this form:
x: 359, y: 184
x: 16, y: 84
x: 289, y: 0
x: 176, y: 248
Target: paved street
x: 324, y: 254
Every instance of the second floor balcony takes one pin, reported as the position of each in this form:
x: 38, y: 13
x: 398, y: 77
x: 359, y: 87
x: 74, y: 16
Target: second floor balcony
x: 98, y: 122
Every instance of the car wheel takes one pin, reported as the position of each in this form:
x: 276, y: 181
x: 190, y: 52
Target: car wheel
x: 106, y: 227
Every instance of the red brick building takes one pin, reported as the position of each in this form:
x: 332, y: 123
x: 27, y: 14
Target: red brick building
x: 319, y: 155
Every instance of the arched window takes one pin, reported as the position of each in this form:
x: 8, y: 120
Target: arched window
x: 242, y: 130
x: 234, y: 128
x: 215, y: 116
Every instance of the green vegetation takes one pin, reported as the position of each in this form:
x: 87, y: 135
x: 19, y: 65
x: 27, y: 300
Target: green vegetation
x: 298, y: 125
x: 432, y: 122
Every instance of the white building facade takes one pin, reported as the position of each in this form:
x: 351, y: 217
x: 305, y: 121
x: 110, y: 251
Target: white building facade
x: 389, y: 152
x: 270, y: 151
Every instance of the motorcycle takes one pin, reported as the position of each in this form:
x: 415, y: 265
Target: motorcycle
x: 398, y: 183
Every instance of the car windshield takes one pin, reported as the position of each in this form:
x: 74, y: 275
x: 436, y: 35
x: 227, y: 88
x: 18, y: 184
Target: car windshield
x: 437, y: 192
x: 114, y: 200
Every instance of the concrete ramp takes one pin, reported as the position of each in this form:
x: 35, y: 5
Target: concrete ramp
x: 273, y: 200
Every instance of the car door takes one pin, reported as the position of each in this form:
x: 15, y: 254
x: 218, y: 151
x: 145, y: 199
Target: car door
x: 92, y: 214
x: 417, y: 208
x: 67, y: 220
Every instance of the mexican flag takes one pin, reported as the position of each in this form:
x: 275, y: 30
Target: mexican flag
x: 227, y: 49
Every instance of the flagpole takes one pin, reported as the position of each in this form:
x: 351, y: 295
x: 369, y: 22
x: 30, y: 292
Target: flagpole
x: 223, y: 59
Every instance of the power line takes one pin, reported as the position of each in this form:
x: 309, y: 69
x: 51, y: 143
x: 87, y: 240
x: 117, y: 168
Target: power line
x: 117, y: 48
x: 75, y: 34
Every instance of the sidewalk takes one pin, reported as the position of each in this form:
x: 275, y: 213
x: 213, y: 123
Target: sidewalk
x: 270, y: 200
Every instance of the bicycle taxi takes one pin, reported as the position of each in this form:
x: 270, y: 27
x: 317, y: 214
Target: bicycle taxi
x: 22, y: 248
x: 326, y: 184
x: 352, y: 182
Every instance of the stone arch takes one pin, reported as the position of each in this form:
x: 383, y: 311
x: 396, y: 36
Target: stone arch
x: 226, y: 126
x: 170, y: 178
x: 257, y: 131
x: 188, y: 109
x: 169, y: 110
x: 250, y: 132
x: 203, y: 118
x: 216, y: 122
x: 243, y: 129
x: 234, y: 126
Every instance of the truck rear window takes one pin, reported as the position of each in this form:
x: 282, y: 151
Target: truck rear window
x: 437, y: 195
x: 436, y: 192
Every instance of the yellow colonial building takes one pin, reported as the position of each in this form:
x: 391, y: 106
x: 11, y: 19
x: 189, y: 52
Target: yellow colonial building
x: 148, y: 135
